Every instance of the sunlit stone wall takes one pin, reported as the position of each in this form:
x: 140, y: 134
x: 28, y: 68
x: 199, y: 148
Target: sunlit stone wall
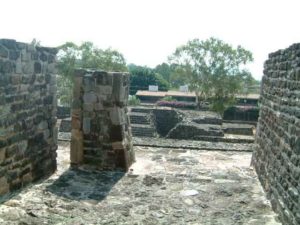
x: 28, y: 137
x: 277, y: 156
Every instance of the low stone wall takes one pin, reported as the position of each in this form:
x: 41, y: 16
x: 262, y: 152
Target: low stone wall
x: 27, y: 114
x: 165, y: 119
x: 242, y: 113
x: 277, y: 156
x: 101, y: 133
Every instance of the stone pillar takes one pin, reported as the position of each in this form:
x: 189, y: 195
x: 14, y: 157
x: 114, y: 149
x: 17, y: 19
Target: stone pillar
x: 277, y: 155
x: 101, y: 133
x: 28, y: 136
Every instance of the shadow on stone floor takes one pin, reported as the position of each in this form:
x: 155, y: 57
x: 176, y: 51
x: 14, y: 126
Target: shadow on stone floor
x: 78, y: 184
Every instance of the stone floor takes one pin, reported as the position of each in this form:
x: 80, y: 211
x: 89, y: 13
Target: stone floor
x: 165, y: 186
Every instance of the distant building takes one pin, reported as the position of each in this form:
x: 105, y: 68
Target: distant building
x: 152, y: 97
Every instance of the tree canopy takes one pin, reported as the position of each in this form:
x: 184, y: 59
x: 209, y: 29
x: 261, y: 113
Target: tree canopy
x: 213, y: 69
x: 141, y: 77
x: 171, y: 73
x: 86, y: 55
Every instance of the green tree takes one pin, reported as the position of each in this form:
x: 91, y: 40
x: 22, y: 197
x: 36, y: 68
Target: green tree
x: 213, y: 69
x: 141, y: 77
x: 171, y: 73
x: 87, y: 55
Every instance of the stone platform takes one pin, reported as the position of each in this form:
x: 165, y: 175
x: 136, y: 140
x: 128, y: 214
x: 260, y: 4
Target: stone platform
x: 164, y: 186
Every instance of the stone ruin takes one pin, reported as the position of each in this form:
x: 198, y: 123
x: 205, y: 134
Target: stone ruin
x: 28, y: 132
x: 101, y: 135
x: 28, y: 136
x: 277, y: 156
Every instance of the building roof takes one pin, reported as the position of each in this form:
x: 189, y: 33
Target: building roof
x: 249, y: 96
x: 165, y: 93
x: 151, y: 93
x: 185, y: 94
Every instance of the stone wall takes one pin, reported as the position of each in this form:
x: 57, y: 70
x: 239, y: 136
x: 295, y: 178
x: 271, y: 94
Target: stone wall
x: 101, y: 133
x: 27, y: 114
x: 277, y: 156
x: 165, y: 119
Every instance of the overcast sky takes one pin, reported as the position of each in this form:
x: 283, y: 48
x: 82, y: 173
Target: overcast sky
x: 148, y: 31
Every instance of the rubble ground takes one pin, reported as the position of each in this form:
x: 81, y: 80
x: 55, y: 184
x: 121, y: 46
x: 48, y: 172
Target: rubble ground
x: 164, y: 186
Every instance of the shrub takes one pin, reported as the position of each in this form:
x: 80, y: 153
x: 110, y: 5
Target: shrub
x: 168, y: 99
x: 133, y: 100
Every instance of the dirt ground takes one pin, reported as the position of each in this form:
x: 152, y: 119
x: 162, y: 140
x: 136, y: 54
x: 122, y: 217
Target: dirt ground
x: 165, y: 186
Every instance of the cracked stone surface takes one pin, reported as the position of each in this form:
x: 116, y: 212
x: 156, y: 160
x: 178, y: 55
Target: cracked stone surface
x: 164, y: 186
x: 193, y: 144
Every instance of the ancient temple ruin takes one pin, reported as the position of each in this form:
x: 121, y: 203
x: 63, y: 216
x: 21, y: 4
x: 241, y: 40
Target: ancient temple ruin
x: 177, y: 182
x: 101, y: 135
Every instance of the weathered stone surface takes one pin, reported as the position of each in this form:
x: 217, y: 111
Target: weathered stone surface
x: 65, y: 125
x: 192, y: 130
x: 235, y: 128
x: 276, y: 157
x: 164, y: 186
x: 27, y: 116
x: 208, y: 118
x: 165, y: 119
x: 192, y: 144
x: 100, y: 121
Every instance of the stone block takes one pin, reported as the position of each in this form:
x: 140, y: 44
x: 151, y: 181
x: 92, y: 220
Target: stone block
x: 4, y: 186
x: 28, y: 68
x: 76, y: 147
x: 27, y: 178
x: 104, y: 89
x: 2, y: 154
x: 86, y: 125
x: 117, y: 116
x: 3, y: 52
x: 99, y: 106
x: 90, y: 97
x: 89, y: 83
x: 89, y: 107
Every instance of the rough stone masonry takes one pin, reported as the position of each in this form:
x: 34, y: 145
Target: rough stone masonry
x: 277, y: 156
x: 101, y: 133
x: 27, y: 114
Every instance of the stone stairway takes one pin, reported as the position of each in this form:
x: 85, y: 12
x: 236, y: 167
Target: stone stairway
x: 139, y: 118
x: 141, y: 110
x: 141, y: 122
x: 141, y: 130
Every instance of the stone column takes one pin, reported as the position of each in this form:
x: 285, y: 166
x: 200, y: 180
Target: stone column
x: 101, y: 133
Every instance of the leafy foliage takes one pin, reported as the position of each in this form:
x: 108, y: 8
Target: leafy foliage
x: 133, y: 100
x: 171, y: 73
x: 168, y: 99
x: 71, y: 56
x: 213, y: 69
x: 141, y: 77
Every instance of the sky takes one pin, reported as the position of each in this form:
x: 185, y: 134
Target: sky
x: 146, y: 32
